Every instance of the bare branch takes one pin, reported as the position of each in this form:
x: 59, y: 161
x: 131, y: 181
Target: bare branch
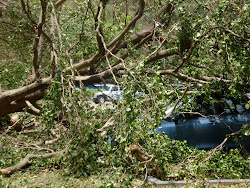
x: 37, y: 49
x: 207, y: 78
x: 100, y: 76
x: 26, y: 161
x: 99, y: 34
x: 38, y: 29
x: 34, y: 24
x: 17, y: 94
x: 59, y: 3
x: 131, y: 24
x: 161, y: 54
x: 33, y: 108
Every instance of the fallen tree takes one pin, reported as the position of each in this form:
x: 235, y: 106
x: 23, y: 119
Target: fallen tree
x: 116, y: 50
x: 148, y: 47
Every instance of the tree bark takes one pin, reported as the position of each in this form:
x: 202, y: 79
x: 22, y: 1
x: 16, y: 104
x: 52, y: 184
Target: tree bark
x: 14, y: 100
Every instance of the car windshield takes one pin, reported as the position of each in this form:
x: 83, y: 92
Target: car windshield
x: 103, y: 87
x: 116, y: 88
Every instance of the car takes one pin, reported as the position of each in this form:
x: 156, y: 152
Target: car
x: 208, y: 131
x: 108, y: 92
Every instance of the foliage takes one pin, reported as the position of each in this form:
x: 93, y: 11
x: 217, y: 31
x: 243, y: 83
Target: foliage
x: 13, y: 149
x: 89, y: 152
x: 16, y: 34
x: 13, y: 74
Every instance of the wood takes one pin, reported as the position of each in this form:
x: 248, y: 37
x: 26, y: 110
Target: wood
x: 26, y: 161
x: 14, y: 100
x: 33, y: 108
x: 59, y: 3
x: 140, y: 153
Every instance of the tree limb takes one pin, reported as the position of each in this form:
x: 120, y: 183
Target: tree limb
x: 26, y: 161
x: 100, y: 76
x: 33, y: 108
x: 59, y: 3
x: 162, y: 54
x: 233, y: 33
x: 14, y: 100
x: 207, y: 78
x: 135, y: 39
x: 101, y: 8
x: 132, y: 23
x: 111, y: 122
x: 17, y: 94
x: 182, y: 76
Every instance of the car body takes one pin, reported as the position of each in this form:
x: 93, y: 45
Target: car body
x: 108, y: 92
x: 208, y: 131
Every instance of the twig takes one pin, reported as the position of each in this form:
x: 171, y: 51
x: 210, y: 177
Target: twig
x: 177, y: 102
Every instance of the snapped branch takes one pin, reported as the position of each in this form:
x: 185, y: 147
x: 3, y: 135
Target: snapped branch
x: 26, y: 161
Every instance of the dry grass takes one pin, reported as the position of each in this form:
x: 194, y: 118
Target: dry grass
x: 49, y: 179
x: 58, y: 180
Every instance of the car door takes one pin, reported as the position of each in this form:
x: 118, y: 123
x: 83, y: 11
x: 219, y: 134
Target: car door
x: 116, y: 92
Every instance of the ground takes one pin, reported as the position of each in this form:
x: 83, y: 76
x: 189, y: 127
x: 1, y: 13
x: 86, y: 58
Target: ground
x: 56, y: 179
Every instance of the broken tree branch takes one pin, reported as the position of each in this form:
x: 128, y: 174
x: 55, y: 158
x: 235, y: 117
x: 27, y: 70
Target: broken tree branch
x: 59, y: 3
x: 26, y: 161
x: 139, y: 152
x: 17, y: 94
x: 177, y: 102
x: 110, y: 122
x: 33, y: 108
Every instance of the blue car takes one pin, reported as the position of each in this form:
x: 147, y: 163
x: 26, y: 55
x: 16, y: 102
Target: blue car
x: 210, y: 130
